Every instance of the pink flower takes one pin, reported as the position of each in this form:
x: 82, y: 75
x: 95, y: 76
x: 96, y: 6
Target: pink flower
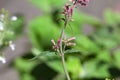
x: 68, y: 10
x: 71, y: 39
x: 81, y: 2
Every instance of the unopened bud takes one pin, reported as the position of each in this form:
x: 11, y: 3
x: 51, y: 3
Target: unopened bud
x: 71, y: 44
x: 71, y: 39
x: 53, y: 42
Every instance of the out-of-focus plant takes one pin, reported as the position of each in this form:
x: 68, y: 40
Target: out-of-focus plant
x: 7, y: 32
x: 96, y: 55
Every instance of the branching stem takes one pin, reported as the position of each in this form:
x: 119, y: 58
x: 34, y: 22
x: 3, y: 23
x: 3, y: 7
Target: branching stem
x: 61, y: 49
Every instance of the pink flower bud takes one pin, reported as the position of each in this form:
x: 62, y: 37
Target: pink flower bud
x: 71, y: 44
x: 53, y: 42
x: 81, y: 2
x: 70, y: 11
x: 71, y: 39
x: 59, y: 41
x: 55, y: 46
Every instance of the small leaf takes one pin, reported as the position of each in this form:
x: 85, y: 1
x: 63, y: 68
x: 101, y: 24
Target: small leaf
x: 72, y: 51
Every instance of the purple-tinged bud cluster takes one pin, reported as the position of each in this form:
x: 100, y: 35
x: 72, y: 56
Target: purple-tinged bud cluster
x: 68, y: 12
x: 69, y: 41
x: 68, y: 9
x: 66, y: 42
x: 81, y: 2
x: 56, y: 45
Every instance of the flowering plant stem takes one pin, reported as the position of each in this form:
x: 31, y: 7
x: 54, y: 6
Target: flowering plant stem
x: 61, y: 49
x: 64, y: 66
x: 67, y: 12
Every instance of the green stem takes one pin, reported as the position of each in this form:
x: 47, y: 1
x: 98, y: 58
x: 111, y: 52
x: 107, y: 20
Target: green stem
x: 61, y: 49
x: 64, y: 66
x: 62, y: 33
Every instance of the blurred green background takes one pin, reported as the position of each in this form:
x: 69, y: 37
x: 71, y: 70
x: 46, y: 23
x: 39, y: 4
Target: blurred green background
x: 95, y: 57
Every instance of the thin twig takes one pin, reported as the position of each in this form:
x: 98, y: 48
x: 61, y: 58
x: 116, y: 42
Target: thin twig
x: 64, y: 66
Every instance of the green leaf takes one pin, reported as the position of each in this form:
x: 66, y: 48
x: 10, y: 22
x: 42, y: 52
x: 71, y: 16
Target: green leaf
x: 50, y: 58
x: 24, y: 65
x: 107, y: 43
x: 58, y: 4
x: 92, y: 70
x: 56, y: 65
x: 42, y: 31
x: 117, y: 17
x: 42, y: 4
x: 85, y: 44
x: 79, y: 20
x: 109, y: 16
x: 27, y: 76
x: 112, y: 17
x: 117, y: 58
x: 17, y: 26
x: 43, y: 55
x: 104, y: 55
x: 48, y: 5
x: 73, y: 66
x: 72, y: 51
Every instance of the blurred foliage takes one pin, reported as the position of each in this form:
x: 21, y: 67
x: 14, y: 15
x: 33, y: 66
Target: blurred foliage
x: 17, y: 25
x: 9, y: 28
x: 95, y: 57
